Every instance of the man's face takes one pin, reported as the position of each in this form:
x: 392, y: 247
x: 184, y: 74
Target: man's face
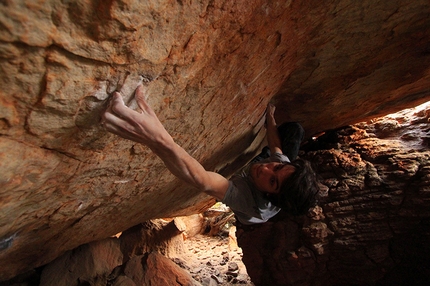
x: 268, y: 177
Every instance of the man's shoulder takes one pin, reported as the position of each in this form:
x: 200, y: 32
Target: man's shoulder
x: 279, y: 157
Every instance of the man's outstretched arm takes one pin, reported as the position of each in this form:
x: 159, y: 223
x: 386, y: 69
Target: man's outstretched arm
x: 272, y: 134
x: 146, y: 128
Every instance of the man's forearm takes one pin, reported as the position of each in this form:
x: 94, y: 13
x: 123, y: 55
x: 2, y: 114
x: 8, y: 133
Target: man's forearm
x: 189, y: 170
x: 273, y: 140
x: 180, y: 163
x: 144, y: 127
x: 272, y: 134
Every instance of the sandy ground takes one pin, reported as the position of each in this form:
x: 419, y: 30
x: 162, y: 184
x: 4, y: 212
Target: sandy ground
x: 215, y: 260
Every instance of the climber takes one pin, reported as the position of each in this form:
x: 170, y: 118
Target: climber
x: 270, y: 182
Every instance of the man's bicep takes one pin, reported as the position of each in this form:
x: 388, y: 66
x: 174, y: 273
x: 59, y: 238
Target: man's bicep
x: 216, y: 185
x: 275, y: 149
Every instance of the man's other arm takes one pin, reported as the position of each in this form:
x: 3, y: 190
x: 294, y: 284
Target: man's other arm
x: 272, y: 134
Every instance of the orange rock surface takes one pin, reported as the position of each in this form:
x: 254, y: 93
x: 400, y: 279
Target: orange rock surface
x: 210, y: 68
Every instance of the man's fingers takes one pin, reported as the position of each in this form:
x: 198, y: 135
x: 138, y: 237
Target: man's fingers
x: 110, y: 119
x: 120, y: 132
x: 140, y: 99
x: 271, y: 108
x: 117, y: 99
x: 120, y: 109
x: 118, y: 126
x: 270, y: 111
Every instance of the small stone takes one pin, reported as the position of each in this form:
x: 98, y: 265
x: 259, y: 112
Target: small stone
x: 218, y: 279
x: 233, y: 273
x: 241, y: 279
x: 232, y: 266
x: 207, y: 281
x: 195, y: 270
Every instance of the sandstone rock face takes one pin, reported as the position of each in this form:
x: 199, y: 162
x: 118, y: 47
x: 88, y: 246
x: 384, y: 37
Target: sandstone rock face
x: 110, y: 261
x: 90, y: 263
x: 210, y: 68
x: 372, y: 225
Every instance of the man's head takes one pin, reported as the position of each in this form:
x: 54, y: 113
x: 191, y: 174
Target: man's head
x: 269, y: 177
x: 292, y: 186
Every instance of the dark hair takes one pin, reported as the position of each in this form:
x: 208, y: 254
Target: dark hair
x: 298, y: 192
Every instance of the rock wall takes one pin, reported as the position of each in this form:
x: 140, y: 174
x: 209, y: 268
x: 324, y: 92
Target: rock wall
x: 373, y: 220
x: 137, y: 257
x: 371, y: 226
x: 210, y: 68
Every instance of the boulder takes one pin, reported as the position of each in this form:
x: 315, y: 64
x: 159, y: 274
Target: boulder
x: 372, y: 223
x: 89, y: 264
x: 209, y: 68
x: 160, y: 271
x: 110, y: 261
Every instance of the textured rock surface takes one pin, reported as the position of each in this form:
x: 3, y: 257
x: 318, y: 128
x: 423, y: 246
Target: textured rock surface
x: 88, y: 264
x: 134, y: 258
x: 371, y: 226
x: 210, y: 68
x: 373, y: 223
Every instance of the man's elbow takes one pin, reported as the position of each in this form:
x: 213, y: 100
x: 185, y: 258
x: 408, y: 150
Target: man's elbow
x: 213, y: 184
x: 217, y: 195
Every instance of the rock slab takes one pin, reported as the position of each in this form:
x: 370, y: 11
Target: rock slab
x: 372, y: 224
x: 209, y: 67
